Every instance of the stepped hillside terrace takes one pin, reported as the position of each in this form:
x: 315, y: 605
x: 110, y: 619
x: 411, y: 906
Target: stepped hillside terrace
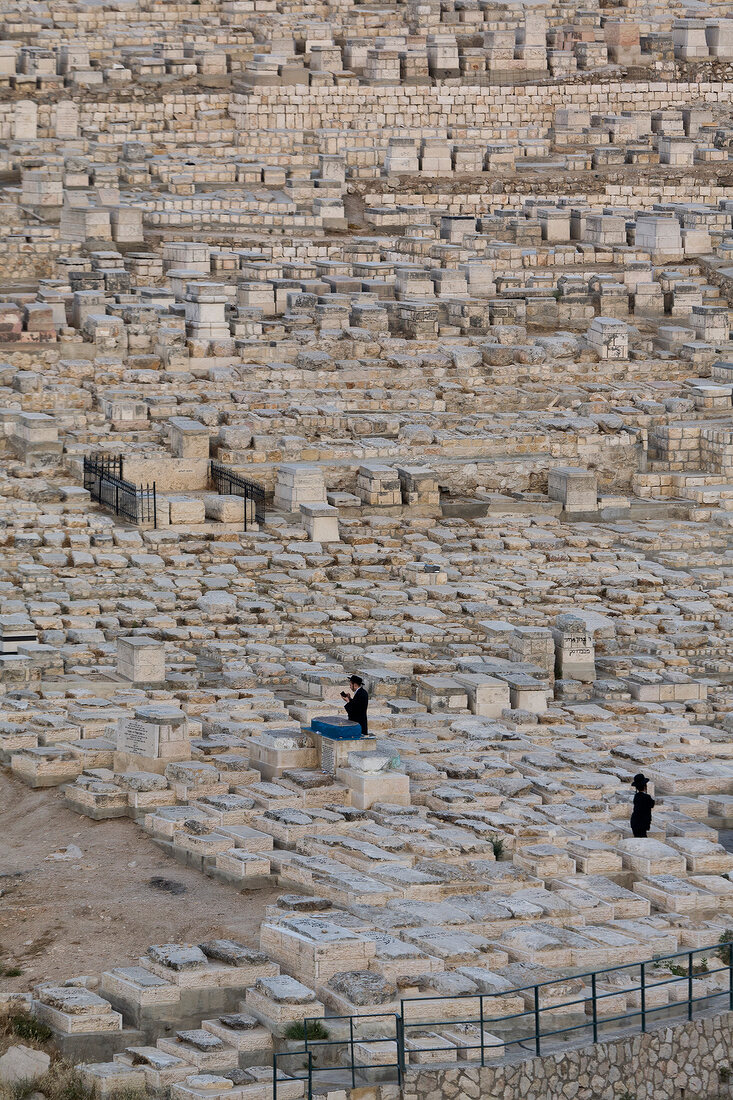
x: 386, y: 339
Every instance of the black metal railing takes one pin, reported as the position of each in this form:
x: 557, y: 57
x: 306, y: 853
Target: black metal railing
x: 103, y: 479
x: 229, y: 483
x: 548, y: 1023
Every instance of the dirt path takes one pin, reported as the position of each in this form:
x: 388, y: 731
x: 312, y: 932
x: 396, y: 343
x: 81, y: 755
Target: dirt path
x: 60, y: 919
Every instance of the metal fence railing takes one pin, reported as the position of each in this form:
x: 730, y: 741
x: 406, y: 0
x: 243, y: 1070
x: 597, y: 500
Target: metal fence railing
x: 229, y: 483
x: 103, y: 479
x: 666, y: 987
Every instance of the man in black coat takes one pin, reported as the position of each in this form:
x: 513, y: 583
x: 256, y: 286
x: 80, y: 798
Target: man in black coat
x: 641, y: 816
x: 356, y: 704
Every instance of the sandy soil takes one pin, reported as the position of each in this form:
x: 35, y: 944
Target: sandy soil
x: 60, y: 919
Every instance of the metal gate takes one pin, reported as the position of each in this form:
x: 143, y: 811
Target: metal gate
x: 229, y: 483
x: 103, y: 479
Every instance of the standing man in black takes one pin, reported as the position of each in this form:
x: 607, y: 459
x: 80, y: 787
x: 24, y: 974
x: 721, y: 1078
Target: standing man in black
x: 641, y: 816
x: 356, y: 704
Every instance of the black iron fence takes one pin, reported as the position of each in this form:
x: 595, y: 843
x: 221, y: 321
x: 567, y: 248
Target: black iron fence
x: 103, y: 479
x: 229, y: 483
x: 601, y: 1004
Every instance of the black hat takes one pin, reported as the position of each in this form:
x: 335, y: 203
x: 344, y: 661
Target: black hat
x: 356, y: 680
x: 639, y: 780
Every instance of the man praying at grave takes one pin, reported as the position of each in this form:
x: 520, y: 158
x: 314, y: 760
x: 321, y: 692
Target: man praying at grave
x: 641, y: 815
x: 356, y: 704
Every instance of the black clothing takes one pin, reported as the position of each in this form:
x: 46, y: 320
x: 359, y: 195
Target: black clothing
x: 641, y: 815
x: 356, y: 708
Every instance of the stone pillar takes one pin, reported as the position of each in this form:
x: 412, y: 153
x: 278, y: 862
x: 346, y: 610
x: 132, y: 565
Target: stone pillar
x: 532, y: 645
x: 555, y: 224
x: 378, y: 485
x: 622, y: 40
x: 188, y: 438
x: 609, y: 338
x: 574, y: 650
x: 206, y: 311
x: 41, y: 187
x: 35, y: 437
x: 711, y: 323
x: 8, y: 59
x: 321, y: 521
x: 575, y: 487
x: 141, y: 660
x: 127, y: 223
x: 419, y: 487
x: 660, y: 236
x: 487, y: 696
x: 689, y: 39
x: 191, y: 255
x: 299, y: 483
x: 443, y: 56
x: 401, y: 156
x: 719, y: 37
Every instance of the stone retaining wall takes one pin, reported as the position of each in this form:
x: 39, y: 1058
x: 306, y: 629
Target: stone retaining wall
x: 691, y: 1060
x: 433, y: 111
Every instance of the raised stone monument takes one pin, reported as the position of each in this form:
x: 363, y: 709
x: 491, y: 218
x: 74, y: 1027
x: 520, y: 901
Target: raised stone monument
x: 141, y: 660
x: 156, y: 736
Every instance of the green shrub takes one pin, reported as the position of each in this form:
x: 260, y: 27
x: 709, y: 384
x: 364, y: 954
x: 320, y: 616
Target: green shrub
x: 725, y: 942
x: 316, y: 1031
x: 682, y: 971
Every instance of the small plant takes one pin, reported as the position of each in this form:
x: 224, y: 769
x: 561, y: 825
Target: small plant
x: 498, y: 845
x: 683, y: 971
x: 64, y: 1081
x: 316, y: 1031
x: 725, y: 941
x: 21, y: 1090
x: 29, y: 1028
x: 128, y: 1094
x: 724, y: 1075
x: 10, y: 971
x: 627, y: 1096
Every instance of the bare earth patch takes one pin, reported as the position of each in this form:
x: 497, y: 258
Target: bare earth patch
x: 62, y: 918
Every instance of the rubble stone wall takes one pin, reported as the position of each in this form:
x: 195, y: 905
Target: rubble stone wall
x: 690, y: 1060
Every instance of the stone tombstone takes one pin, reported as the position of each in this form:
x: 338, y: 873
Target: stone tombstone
x: 299, y: 483
x: 574, y: 650
x: 335, y: 737
x: 66, y: 120
x: 141, y: 660
x: 575, y: 487
x: 137, y: 737
x: 8, y: 59
x: 25, y: 120
x: 156, y: 736
x: 189, y: 438
x: 321, y: 522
